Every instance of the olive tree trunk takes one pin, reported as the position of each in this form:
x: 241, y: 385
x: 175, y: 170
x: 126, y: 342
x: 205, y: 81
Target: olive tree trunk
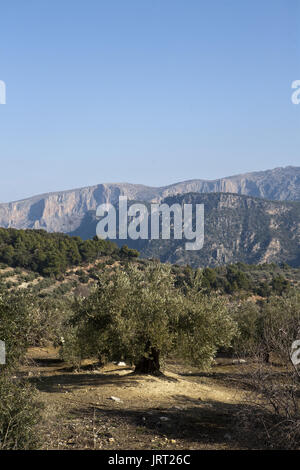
x: 150, y: 364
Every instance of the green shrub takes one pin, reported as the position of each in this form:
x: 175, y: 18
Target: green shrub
x: 19, y: 414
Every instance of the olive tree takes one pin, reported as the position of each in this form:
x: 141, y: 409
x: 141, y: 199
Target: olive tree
x: 15, y: 324
x: 140, y: 316
x: 19, y: 411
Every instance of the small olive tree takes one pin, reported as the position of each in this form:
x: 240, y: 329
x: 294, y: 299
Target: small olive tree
x: 15, y: 324
x: 19, y: 411
x: 248, y: 340
x: 140, y: 316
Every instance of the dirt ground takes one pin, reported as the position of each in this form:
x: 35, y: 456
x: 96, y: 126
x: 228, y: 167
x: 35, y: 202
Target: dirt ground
x: 184, y: 409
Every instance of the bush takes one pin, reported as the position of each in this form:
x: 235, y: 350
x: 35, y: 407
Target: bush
x: 245, y: 342
x: 19, y: 412
x: 72, y: 350
x: 19, y: 415
x: 15, y: 324
x: 271, y: 413
x: 274, y: 410
x: 84, y: 278
x: 29, y: 321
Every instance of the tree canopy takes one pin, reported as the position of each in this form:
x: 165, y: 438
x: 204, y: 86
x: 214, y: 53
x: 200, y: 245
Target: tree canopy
x: 140, y: 316
x: 52, y: 253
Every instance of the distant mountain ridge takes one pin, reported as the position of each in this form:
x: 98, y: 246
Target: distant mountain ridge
x: 237, y: 228
x: 64, y: 211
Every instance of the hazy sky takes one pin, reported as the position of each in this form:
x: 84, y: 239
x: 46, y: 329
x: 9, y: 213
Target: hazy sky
x: 145, y: 91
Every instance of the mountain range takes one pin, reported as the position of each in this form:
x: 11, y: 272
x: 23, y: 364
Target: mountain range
x: 237, y: 229
x: 64, y: 211
x: 253, y: 217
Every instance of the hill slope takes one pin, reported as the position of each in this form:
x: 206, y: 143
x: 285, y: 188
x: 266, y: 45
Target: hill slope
x: 237, y: 229
x: 64, y: 211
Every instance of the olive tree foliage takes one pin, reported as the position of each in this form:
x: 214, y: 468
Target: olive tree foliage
x: 15, y: 324
x: 205, y: 326
x: 19, y: 411
x: 248, y: 339
x: 140, y: 316
x: 268, y: 327
x: 26, y: 321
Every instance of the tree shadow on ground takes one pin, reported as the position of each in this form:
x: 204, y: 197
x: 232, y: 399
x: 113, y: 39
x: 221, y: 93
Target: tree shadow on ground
x: 241, y: 379
x: 47, y: 362
x: 162, y: 377
x: 67, y: 382
x: 212, y: 423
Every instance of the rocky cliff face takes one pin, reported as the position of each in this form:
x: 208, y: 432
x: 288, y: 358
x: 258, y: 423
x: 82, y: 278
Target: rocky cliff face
x: 64, y: 211
x: 237, y: 229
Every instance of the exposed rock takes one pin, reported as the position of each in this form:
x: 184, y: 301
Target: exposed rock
x: 164, y: 418
x: 65, y: 211
x: 237, y: 228
x: 117, y: 399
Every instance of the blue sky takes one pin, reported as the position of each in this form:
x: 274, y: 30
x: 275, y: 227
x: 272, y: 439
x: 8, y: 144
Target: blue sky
x: 145, y: 91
